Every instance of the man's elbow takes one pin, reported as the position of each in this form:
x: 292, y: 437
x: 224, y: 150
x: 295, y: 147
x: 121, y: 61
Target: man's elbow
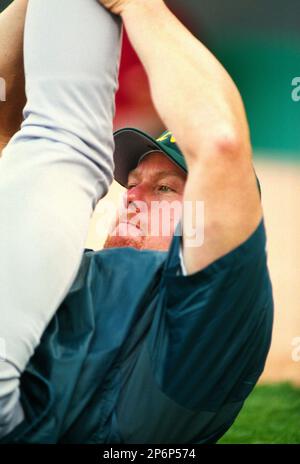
x: 225, y: 141
x: 232, y: 142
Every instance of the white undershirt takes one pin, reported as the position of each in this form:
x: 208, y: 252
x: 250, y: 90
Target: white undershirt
x: 183, y: 268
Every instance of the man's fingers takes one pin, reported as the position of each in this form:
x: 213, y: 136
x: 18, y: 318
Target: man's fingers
x: 111, y: 5
x: 115, y: 6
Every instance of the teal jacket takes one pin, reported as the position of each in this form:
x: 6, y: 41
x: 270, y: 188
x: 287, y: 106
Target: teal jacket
x: 139, y: 353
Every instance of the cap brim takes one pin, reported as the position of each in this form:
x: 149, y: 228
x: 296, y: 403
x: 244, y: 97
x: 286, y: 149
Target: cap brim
x: 130, y: 145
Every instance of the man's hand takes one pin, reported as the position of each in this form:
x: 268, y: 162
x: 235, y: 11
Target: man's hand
x: 118, y: 6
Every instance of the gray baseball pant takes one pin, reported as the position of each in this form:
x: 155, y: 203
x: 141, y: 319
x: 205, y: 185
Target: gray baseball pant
x: 52, y: 174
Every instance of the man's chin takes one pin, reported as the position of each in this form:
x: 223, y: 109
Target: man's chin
x: 123, y: 241
x: 138, y: 242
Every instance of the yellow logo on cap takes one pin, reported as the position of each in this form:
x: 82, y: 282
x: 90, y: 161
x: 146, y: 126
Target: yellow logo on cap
x: 167, y: 135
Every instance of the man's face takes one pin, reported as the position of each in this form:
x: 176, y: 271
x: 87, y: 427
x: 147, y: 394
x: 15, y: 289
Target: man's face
x: 152, y: 205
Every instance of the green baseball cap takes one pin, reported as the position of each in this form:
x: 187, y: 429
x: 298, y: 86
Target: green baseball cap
x: 131, y: 145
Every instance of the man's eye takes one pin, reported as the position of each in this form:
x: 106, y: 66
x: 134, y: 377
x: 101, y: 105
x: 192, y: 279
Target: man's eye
x: 130, y: 186
x: 165, y: 188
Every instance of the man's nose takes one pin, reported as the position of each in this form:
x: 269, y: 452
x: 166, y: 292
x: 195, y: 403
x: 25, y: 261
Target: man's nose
x: 135, y: 195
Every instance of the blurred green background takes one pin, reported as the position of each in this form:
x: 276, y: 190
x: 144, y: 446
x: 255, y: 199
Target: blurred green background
x: 258, y: 41
x: 271, y: 415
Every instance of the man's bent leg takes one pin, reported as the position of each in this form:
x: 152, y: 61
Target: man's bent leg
x: 53, y: 171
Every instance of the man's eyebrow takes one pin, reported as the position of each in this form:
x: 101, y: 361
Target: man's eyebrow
x: 158, y: 175
x: 168, y: 173
x: 135, y: 173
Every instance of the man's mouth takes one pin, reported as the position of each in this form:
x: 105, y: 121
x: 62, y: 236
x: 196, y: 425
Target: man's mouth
x: 125, y: 228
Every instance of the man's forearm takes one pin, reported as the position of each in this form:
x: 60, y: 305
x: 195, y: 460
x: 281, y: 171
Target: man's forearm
x: 194, y: 95
x: 11, y: 69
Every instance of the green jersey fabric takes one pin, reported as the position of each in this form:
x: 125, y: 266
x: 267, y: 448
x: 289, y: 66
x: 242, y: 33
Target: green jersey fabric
x: 139, y: 353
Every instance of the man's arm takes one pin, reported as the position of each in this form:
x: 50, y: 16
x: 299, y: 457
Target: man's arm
x: 200, y: 104
x: 11, y: 69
